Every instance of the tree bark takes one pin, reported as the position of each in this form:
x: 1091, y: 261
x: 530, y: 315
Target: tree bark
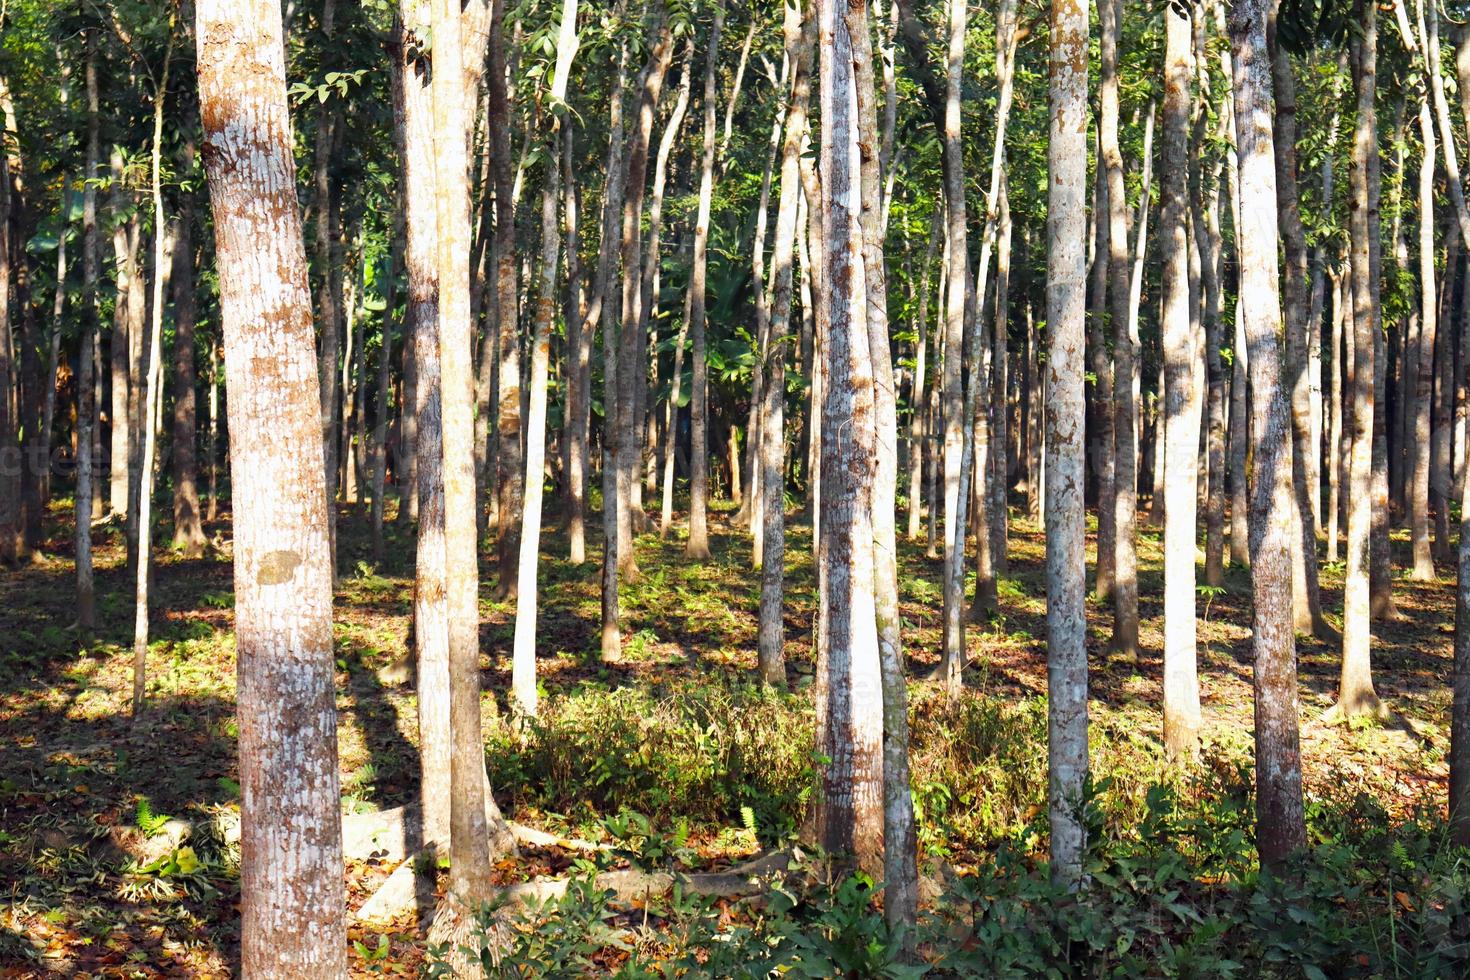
x: 292, y: 898
x: 697, y: 547
x: 188, y: 530
x: 1125, y: 353
x: 1181, y: 402
x: 1423, y: 570
x: 1279, y: 821
x: 1066, y: 572
x: 800, y: 33
x: 1356, y: 694
x: 850, y: 810
x: 1306, y: 595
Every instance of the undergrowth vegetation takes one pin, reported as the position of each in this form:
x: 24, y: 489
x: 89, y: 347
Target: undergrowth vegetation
x: 1177, y: 894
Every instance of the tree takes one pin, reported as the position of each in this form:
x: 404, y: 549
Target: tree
x: 523, y: 676
x: 1181, y: 411
x: 1280, y: 828
x: 850, y: 718
x: 152, y: 394
x: 698, y: 544
x: 799, y: 35
x: 1125, y: 355
x: 1355, y: 694
x: 1066, y: 300
x: 292, y: 897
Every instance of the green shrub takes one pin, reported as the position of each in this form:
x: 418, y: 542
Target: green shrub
x: 700, y: 754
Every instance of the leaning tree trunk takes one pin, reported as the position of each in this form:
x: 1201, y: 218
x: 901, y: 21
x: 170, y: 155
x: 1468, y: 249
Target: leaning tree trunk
x: 291, y: 893
x: 1065, y: 453
x: 1279, y: 821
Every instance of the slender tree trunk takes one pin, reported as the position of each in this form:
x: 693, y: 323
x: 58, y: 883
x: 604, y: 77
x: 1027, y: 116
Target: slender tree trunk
x: 1341, y: 297
x: 918, y: 393
x: 953, y: 665
x: 385, y: 372
x: 578, y: 368
x: 799, y: 37
x: 152, y: 395
x: 1206, y: 221
x: 86, y: 391
x: 1306, y: 596
x: 1279, y: 822
x: 603, y: 310
x: 1125, y: 353
x: 1066, y: 571
x: 1181, y: 402
x: 292, y: 899
x: 508, y: 450
x: 188, y: 530
x: 523, y: 665
x: 328, y: 255
x: 1424, y: 383
x: 1356, y: 694
x: 698, y: 544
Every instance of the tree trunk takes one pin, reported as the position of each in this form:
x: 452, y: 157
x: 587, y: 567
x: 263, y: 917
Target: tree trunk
x: 1279, y: 822
x: 698, y: 544
x: 292, y: 899
x: 918, y: 394
x: 385, y: 372
x: 86, y: 392
x: 328, y: 253
x: 850, y: 810
x: 1424, y: 382
x: 578, y: 369
x: 1306, y: 596
x: 508, y: 449
x: 1125, y: 353
x: 523, y: 663
x: 1356, y: 694
x: 771, y: 641
x: 188, y: 530
x: 152, y: 395
x: 1181, y: 403
x: 1066, y: 571
x: 900, y: 874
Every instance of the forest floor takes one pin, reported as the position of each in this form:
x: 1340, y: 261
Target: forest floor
x: 675, y: 730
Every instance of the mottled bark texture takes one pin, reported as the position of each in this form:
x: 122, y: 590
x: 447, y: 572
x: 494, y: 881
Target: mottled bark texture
x: 291, y: 892
x: 1280, y: 828
x: 1064, y: 454
x: 850, y: 699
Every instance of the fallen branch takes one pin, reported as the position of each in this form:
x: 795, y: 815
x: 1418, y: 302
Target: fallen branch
x: 405, y: 889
